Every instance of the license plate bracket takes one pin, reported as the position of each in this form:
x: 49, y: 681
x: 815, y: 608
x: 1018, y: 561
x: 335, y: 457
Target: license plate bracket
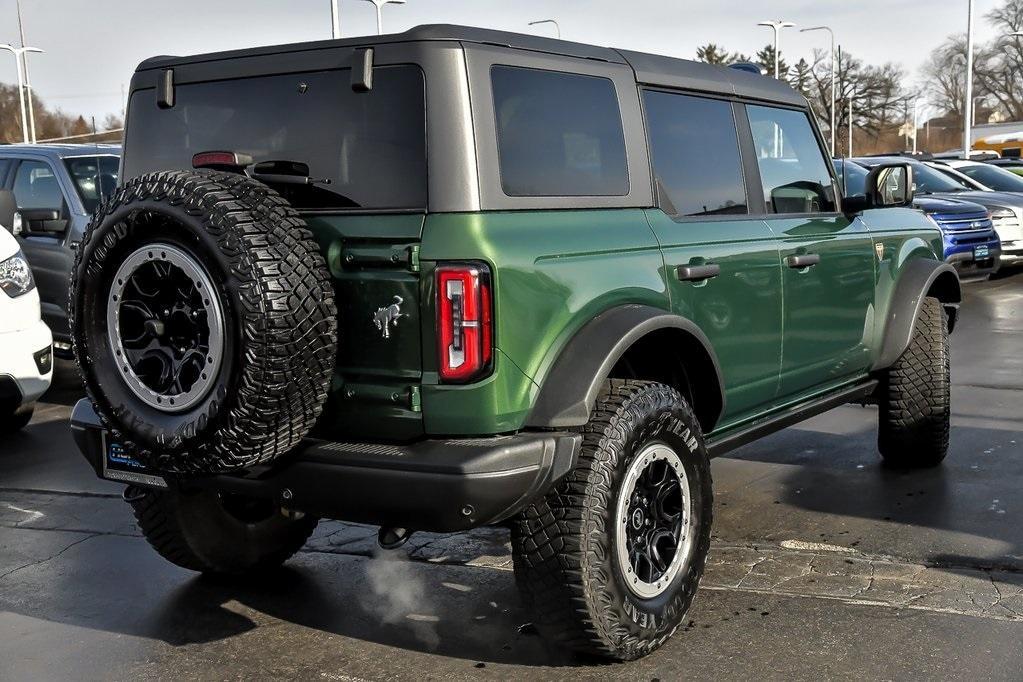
x: 118, y: 465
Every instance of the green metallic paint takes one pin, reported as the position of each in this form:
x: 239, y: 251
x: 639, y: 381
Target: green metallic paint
x: 740, y: 310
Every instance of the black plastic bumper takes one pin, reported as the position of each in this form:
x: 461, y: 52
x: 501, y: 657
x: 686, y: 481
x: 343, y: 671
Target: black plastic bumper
x: 433, y: 485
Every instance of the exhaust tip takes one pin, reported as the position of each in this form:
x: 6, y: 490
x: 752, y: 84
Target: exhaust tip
x: 393, y: 538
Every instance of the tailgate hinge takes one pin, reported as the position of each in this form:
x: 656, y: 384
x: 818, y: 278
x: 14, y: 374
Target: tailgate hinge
x: 413, y: 258
x: 415, y: 399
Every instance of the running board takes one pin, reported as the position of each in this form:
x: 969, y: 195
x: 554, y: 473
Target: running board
x: 792, y: 415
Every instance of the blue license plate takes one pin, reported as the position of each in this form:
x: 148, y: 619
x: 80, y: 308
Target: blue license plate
x: 981, y: 252
x: 118, y: 465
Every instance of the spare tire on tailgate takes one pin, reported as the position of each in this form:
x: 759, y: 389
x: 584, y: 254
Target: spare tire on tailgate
x: 203, y: 321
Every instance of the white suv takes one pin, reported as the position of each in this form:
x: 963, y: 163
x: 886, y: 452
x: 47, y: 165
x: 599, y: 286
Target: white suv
x: 26, y: 346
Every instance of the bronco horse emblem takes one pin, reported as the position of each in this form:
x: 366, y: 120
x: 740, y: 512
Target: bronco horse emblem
x: 385, y: 317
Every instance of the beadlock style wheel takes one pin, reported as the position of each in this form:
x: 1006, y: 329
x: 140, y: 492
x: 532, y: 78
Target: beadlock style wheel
x: 654, y: 521
x: 166, y: 327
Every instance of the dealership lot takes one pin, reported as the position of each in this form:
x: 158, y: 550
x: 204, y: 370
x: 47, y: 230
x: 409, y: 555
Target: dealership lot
x: 825, y: 564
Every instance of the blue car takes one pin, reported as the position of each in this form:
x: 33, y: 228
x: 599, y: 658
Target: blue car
x: 971, y: 243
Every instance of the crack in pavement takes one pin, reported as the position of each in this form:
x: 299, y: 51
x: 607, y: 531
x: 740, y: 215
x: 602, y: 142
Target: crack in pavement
x: 40, y: 562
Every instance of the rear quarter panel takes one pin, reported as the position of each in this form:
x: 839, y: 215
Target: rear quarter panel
x: 553, y: 271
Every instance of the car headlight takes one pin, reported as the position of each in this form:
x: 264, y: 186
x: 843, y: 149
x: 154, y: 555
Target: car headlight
x: 15, y: 276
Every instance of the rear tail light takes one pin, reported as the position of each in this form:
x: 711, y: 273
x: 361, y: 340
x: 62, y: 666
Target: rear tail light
x: 464, y: 321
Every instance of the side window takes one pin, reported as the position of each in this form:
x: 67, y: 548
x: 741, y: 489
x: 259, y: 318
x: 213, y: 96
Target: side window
x: 558, y: 134
x: 695, y: 153
x: 4, y: 165
x: 35, y: 186
x: 792, y: 164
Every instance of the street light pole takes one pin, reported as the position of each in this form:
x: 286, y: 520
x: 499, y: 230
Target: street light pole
x: 831, y: 128
x: 850, y: 100
x: 968, y: 99
x: 777, y: 26
x: 335, y: 20
x: 557, y: 27
x: 916, y: 123
x: 379, y: 5
x: 19, y: 54
x: 28, y: 81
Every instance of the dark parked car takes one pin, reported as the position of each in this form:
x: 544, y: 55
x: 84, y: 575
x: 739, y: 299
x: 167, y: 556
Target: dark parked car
x: 56, y: 188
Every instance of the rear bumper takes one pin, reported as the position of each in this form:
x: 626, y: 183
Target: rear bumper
x: 433, y: 485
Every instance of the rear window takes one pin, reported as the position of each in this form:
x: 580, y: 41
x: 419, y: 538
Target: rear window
x: 368, y: 150
x: 558, y: 134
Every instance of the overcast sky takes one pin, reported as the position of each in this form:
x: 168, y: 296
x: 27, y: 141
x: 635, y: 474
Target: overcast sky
x: 92, y: 46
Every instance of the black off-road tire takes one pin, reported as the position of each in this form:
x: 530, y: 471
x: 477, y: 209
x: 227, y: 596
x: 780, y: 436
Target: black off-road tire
x: 17, y: 420
x: 195, y: 530
x: 280, y: 319
x: 914, y: 397
x: 564, y: 544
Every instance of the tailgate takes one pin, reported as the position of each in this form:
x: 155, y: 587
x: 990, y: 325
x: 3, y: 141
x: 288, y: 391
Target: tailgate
x: 374, y: 263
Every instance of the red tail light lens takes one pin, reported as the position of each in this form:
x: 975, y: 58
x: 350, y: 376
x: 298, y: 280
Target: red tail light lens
x: 464, y: 322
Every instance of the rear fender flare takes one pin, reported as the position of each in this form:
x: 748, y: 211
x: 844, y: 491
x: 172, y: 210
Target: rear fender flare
x: 570, y: 388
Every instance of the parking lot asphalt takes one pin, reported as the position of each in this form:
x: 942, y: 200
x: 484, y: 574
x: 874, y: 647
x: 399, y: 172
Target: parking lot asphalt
x: 825, y: 564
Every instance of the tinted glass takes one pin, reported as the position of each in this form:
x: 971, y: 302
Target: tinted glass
x: 558, y: 134
x: 928, y: 180
x: 792, y: 165
x: 35, y: 186
x: 371, y: 146
x: 852, y: 178
x: 695, y: 154
x: 996, y: 178
x: 4, y: 165
x: 95, y: 178
x: 956, y: 178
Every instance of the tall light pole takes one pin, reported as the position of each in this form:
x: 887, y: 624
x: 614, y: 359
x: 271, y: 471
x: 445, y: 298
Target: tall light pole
x: 379, y: 4
x: 832, y: 34
x: 968, y: 99
x: 19, y: 54
x: 28, y: 81
x: 557, y: 27
x: 777, y: 26
x: 335, y: 20
x: 916, y: 122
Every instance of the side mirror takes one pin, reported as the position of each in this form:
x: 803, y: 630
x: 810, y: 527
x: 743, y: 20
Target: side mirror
x: 43, y: 221
x: 890, y: 185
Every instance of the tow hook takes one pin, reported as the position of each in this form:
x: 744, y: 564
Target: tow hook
x: 393, y: 538
x: 133, y: 494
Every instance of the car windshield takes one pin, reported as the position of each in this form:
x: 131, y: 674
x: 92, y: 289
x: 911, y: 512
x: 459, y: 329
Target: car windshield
x: 929, y: 181
x: 852, y: 178
x: 95, y: 178
x: 997, y: 179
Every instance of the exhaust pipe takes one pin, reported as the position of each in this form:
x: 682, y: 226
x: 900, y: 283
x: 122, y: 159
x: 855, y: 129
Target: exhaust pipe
x: 393, y: 538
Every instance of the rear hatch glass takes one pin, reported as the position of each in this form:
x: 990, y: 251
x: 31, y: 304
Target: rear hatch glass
x: 368, y: 149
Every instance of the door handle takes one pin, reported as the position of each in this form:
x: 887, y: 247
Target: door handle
x: 805, y: 260
x: 697, y: 273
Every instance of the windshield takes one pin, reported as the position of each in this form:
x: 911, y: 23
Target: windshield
x: 997, y: 179
x: 363, y: 150
x: 856, y: 182
x: 95, y: 178
x: 929, y: 181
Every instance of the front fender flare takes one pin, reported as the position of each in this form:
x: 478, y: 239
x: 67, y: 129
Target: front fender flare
x: 917, y: 280
x: 569, y: 390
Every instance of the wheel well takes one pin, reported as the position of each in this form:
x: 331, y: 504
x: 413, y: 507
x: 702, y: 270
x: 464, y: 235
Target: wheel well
x: 946, y: 288
x: 676, y: 358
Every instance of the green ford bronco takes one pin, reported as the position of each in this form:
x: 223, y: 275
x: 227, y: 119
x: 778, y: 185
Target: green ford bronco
x: 457, y: 277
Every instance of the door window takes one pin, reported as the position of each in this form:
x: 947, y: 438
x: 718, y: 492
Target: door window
x: 35, y: 186
x: 695, y: 153
x: 793, y: 169
x: 558, y: 134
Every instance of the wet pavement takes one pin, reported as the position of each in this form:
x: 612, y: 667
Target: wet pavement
x: 825, y: 565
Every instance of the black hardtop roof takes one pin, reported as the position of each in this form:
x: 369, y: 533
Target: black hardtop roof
x: 650, y: 69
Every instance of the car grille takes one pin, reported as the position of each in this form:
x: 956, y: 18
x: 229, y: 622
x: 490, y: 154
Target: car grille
x: 974, y: 223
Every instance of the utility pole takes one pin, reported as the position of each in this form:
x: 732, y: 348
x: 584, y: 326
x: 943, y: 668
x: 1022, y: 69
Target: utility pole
x: 850, y: 126
x: 335, y: 20
x: 831, y: 128
x: 777, y: 26
x: 968, y: 100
